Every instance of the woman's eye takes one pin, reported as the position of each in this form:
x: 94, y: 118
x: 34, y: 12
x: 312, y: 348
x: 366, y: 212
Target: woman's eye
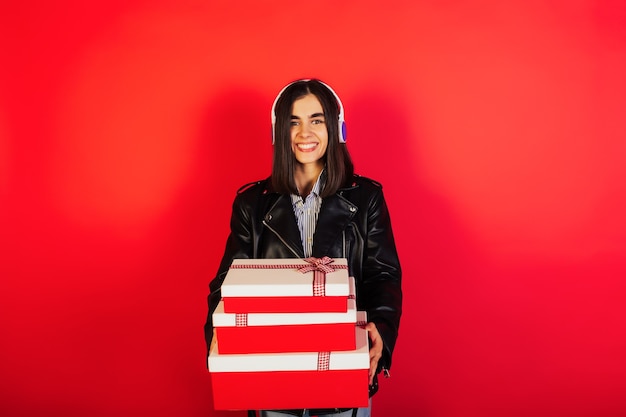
x: 317, y: 122
x: 293, y: 123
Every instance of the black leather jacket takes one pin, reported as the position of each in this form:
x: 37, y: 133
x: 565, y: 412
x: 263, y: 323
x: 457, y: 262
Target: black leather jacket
x: 354, y: 223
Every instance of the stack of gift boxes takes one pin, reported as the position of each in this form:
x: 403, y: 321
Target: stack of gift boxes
x: 287, y: 335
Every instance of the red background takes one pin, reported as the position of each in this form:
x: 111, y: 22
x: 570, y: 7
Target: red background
x: 496, y: 128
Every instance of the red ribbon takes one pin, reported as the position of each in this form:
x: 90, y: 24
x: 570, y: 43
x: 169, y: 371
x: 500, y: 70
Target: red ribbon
x: 323, y: 361
x: 320, y: 268
x: 317, y: 264
x: 241, y: 320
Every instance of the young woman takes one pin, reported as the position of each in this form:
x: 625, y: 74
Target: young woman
x: 314, y: 205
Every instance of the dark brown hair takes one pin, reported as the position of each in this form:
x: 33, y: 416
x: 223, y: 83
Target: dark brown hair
x: 338, y: 164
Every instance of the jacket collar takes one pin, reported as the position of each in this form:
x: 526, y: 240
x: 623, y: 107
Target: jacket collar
x: 270, y: 190
x: 335, y: 215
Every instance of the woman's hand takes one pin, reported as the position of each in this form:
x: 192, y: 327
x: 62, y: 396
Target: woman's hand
x: 376, y: 349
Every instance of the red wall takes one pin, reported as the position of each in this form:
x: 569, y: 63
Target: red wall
x: 497, y: 129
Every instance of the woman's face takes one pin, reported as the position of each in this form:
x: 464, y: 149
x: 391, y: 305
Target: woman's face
x: 309, y: 136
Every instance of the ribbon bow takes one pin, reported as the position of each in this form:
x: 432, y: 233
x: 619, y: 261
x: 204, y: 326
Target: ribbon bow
x: 317, y: 264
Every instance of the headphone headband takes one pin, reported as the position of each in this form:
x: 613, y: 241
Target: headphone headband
x: 341, y: 118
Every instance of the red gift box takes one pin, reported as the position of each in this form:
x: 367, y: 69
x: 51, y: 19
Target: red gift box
x: 285, y: 332
x: 291, y: 380
x: 286, y: 285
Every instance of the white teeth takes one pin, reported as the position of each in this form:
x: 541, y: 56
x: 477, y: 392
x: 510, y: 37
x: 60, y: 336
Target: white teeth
x: 307, y: 145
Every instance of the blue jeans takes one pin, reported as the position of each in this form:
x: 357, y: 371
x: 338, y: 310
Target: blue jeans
x: 362, y: 412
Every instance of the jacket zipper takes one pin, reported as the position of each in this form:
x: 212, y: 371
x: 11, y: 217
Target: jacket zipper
x: 281, y: 239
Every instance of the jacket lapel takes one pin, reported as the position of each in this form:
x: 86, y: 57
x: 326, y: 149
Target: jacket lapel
x: 335, y: 215
x: 282, y: 221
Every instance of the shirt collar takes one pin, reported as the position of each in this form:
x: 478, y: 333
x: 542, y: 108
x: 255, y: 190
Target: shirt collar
x: 316, y: 188
x: 318, y: 184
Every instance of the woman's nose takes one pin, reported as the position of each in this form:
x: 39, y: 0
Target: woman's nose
x: 305, y: 129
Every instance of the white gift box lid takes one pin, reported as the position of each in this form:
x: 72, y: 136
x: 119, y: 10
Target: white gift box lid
x: 296, y: 361
x: 222, y: 319
x: 265, y: 278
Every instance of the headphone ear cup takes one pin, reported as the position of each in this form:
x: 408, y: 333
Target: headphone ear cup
x: 342, y: 132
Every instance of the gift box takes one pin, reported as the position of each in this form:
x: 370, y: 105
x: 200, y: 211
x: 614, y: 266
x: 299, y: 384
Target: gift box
x: 292, y: 380
x: 285, y: 332
x: 286, y: 286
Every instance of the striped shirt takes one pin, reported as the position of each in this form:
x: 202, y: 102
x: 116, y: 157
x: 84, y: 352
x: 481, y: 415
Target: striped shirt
x: 306, y: 211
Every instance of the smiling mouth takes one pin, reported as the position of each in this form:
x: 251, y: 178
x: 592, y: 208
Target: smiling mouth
x: 306, y: 146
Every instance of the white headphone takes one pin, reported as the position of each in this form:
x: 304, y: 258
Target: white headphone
x: 342, y: 122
